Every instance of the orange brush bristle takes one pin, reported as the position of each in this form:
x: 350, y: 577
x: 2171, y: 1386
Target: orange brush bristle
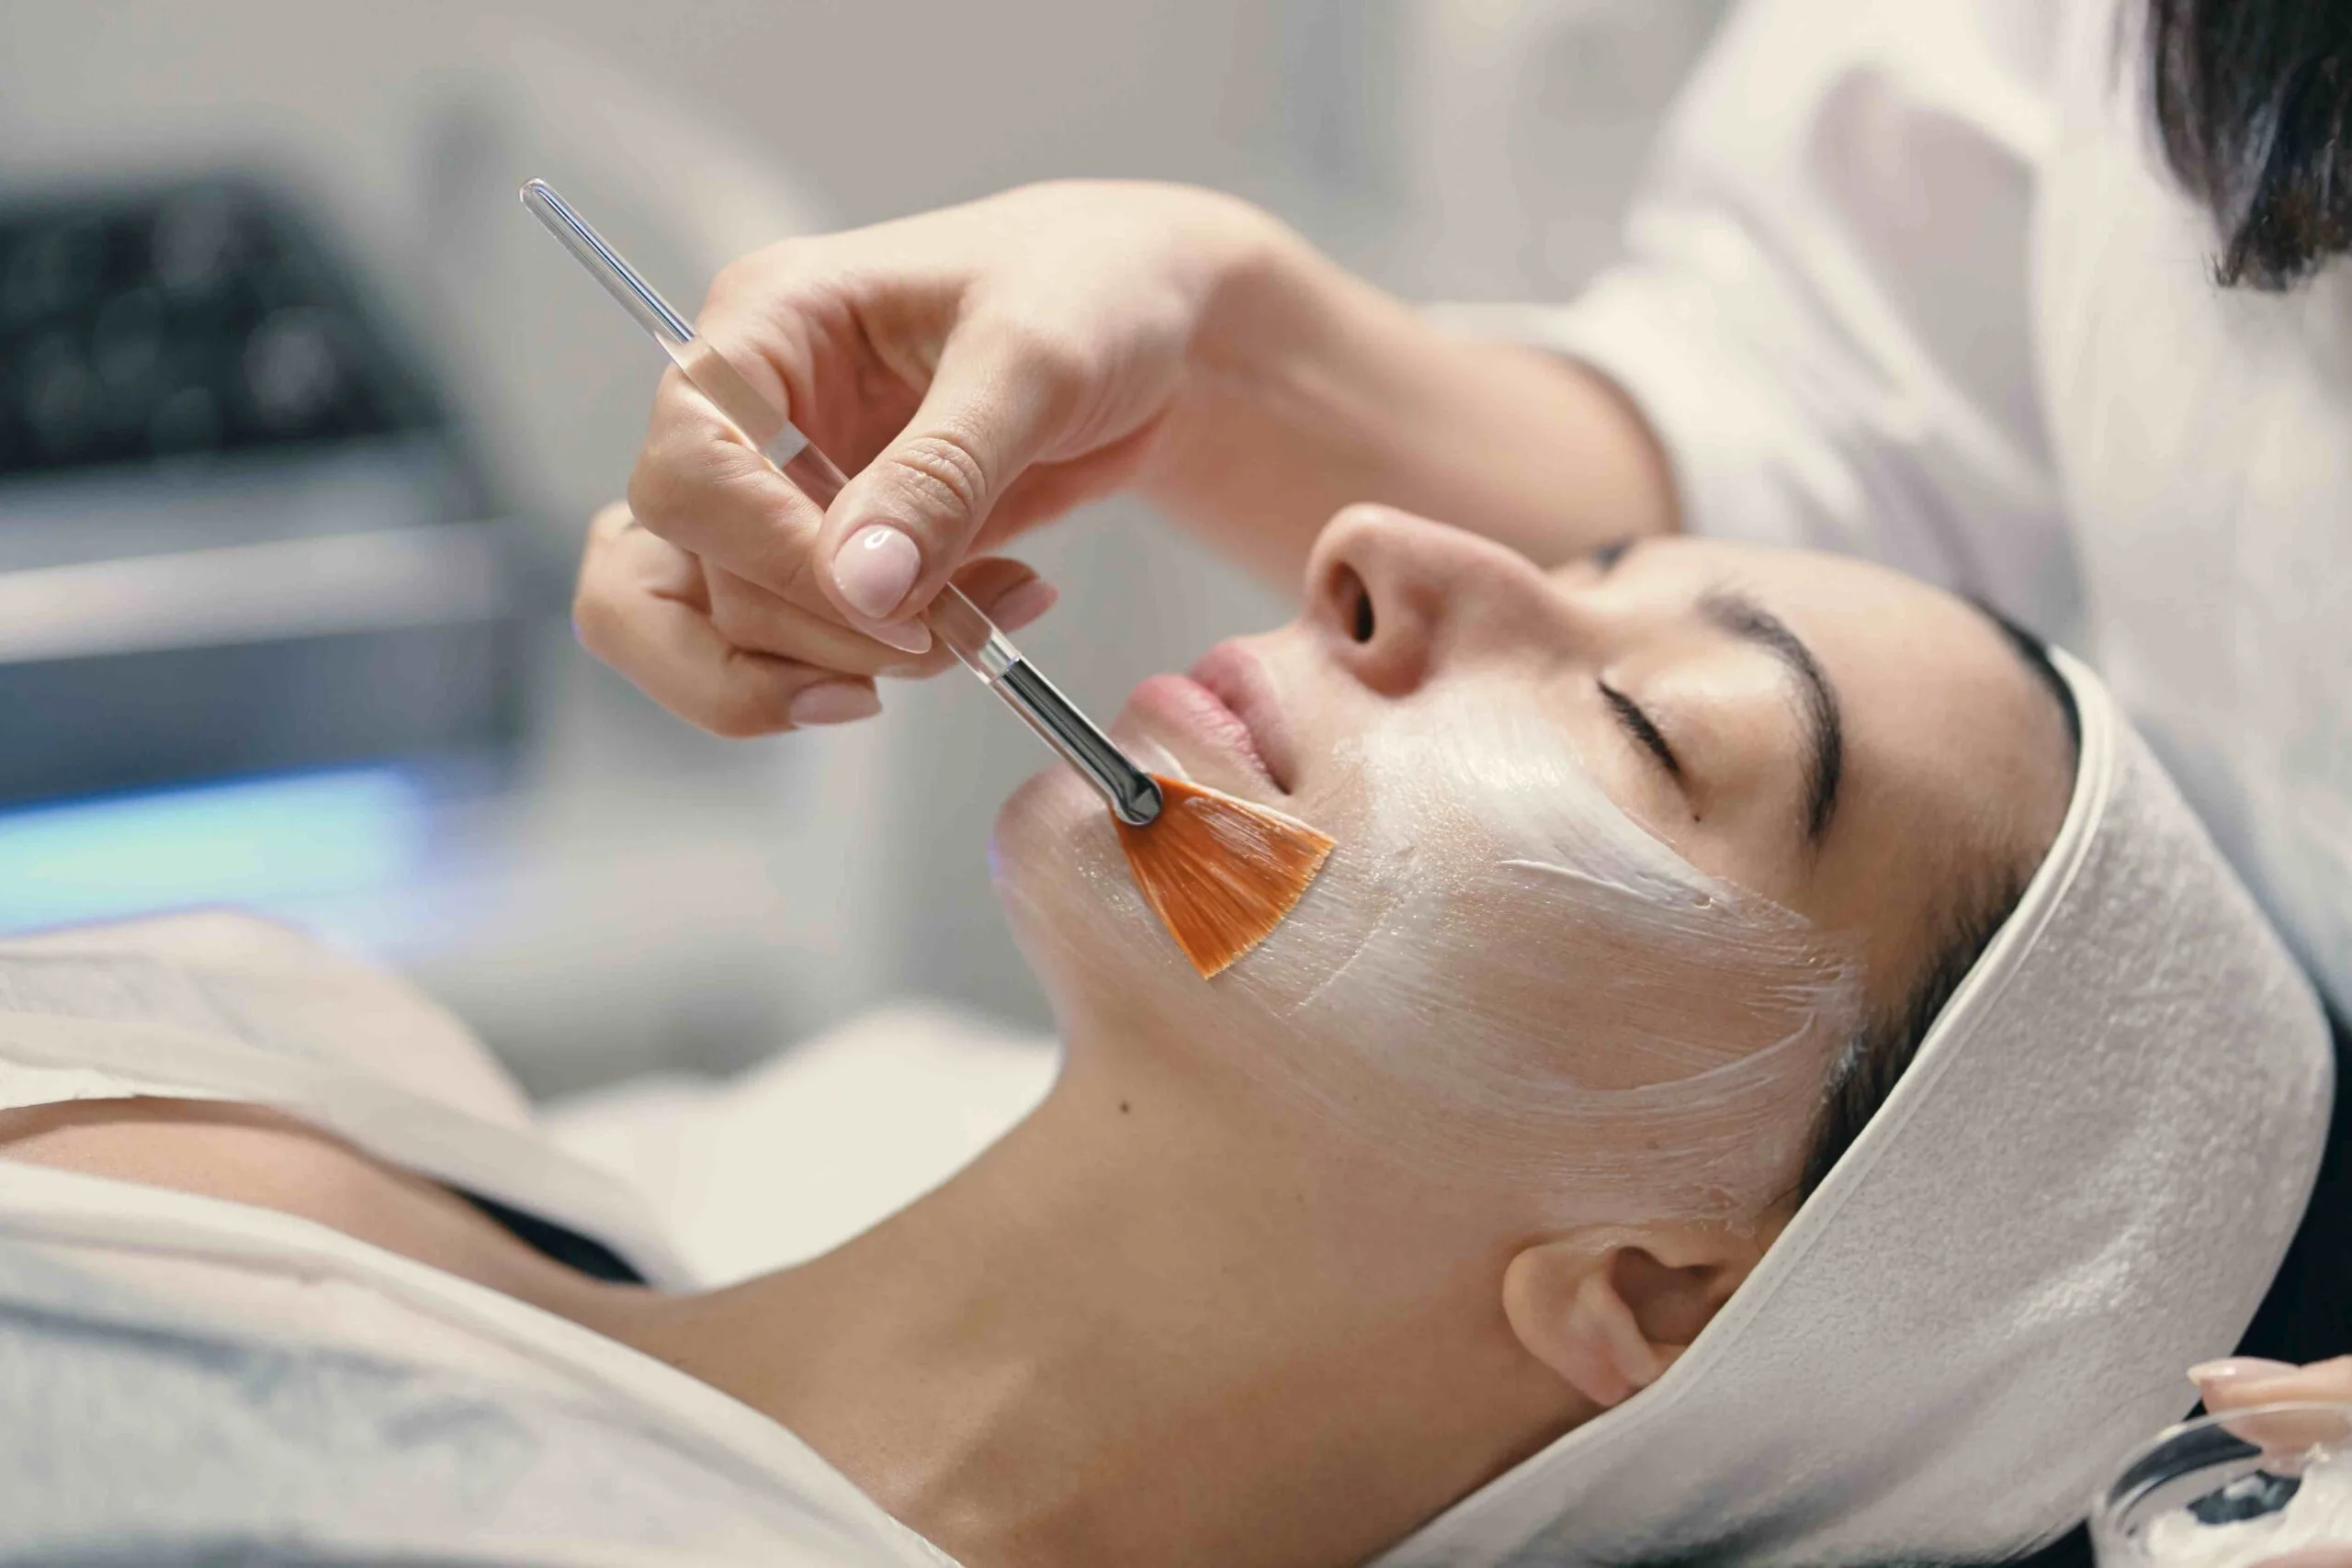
x: 1221, y: 872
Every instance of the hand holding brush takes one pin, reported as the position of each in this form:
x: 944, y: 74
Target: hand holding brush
x: 1220, y: 872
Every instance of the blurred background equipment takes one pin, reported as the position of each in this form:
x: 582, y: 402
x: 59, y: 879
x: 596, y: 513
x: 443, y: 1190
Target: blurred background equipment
x: 284, y: 568
x: 241, y: 533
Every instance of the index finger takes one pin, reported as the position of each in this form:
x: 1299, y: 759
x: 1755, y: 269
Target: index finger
x: 642, y: 607
x: 720, y: 497
x: 699, y: 484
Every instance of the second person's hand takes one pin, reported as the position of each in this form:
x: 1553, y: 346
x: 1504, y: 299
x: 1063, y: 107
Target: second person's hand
x: 2248, y: 1383
x: 2241, y: 1383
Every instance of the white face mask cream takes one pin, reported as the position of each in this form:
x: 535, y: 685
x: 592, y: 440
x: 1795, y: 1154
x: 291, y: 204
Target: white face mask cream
x: 1501, y: 978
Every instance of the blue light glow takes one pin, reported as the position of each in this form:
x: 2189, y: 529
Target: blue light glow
x: 259, y: 843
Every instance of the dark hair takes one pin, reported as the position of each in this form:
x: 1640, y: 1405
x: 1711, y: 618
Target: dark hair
x: 1866, y: 1071
x: 2253, y: 99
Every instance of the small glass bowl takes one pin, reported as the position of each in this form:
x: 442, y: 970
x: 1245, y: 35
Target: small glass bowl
x: 2223, y: 1490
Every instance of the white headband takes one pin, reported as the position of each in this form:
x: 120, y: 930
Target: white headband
x: 2082, y: 1185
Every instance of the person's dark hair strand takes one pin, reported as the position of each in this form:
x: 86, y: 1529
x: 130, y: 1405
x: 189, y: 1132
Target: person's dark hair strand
x: 2254, y: 101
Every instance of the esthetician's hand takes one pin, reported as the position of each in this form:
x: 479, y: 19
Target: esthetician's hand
x: 2246, y: 1382
x: 2243, y: 1381
x: 704, y: 643
x: 977, y: 371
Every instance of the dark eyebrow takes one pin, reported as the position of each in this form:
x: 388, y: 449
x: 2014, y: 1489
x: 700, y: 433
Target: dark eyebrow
x: 1735, y: 612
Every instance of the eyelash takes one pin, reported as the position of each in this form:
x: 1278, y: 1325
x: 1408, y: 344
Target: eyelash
x: 1637, y: 723
x: 1606, y: 557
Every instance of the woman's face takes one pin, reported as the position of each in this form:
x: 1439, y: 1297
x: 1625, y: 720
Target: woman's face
x: 1626, y: 849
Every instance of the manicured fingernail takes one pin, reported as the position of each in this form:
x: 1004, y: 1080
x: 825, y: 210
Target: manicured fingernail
x: 1019, y: 606
x: 874, y: 568
x: 834, y: 702
x: 907, y: 637
x: 2235, y: 1370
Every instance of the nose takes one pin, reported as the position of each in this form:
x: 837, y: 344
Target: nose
x: 1398, y: 597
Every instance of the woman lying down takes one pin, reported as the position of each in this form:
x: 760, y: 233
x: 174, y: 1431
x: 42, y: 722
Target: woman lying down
x: 1771, y: 1073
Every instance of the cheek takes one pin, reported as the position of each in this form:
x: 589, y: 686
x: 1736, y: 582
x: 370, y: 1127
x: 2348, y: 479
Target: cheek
x: 1499, y: 982
x: 1501, y: 979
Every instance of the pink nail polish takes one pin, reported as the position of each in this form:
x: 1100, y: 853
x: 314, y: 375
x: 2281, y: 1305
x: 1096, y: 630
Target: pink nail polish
x: 2238, y: 1369
x: 874, y: 568
x: 907, y: 637
x: 834, y: 702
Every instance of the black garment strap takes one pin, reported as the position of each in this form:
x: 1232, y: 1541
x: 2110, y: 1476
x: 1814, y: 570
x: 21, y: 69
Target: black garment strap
x: 567, y: 1246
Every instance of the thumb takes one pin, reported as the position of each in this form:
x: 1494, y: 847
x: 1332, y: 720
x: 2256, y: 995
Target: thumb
x: 900, y: 527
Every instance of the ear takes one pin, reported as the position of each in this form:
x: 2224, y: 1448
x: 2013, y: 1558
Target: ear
x: 1610, y: 1311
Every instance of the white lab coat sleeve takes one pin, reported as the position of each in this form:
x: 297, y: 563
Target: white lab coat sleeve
x: 1823, y: 307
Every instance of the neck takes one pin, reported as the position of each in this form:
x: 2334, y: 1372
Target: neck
x: 1135, y: 1332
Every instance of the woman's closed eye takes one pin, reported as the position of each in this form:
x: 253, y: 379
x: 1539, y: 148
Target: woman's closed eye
x: 1644, y: 733
x: 1605, y: 557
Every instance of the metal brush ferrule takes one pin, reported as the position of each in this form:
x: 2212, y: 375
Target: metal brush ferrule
x: 1133, y: 795
x: 1129, y: 792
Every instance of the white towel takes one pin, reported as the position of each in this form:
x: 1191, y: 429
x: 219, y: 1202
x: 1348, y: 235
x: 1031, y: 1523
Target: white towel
x: 2083, y: 1184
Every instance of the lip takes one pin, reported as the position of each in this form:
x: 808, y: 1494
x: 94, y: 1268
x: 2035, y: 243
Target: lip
x: 1227, y: 700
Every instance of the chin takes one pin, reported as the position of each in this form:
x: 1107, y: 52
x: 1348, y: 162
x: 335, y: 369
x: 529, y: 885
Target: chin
x: 1042, y: 821
x: 1064, y: 885
x: 1049, y: 855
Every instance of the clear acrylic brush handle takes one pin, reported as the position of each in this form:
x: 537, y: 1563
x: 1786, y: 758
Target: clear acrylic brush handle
x: 1132, y: 793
